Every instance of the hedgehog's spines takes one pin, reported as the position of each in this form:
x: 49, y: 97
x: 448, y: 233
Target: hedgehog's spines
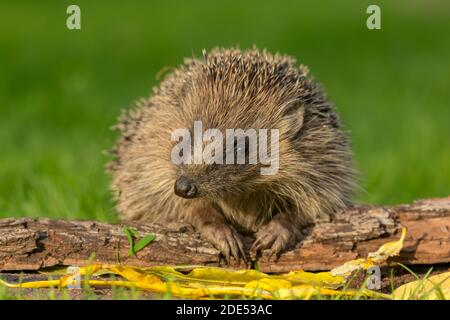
x: 230, y: 88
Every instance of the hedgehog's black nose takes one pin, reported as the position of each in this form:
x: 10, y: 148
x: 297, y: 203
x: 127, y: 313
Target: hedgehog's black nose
x: 185, y: 187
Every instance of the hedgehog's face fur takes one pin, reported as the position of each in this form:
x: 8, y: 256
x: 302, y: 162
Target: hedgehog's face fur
x: 212, y: 181
x: 223, y: 105
x: 217, y: 179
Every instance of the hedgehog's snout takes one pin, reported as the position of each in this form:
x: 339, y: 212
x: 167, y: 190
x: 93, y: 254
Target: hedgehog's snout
x: 186, y: 187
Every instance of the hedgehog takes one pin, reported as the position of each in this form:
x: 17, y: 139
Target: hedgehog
x: 233, y: 88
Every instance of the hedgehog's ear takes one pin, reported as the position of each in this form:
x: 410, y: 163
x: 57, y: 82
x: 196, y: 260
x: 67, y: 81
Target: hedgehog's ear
x: 294, y: 116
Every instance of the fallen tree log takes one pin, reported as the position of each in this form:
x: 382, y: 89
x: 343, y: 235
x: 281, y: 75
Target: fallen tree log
x: 32, y: 244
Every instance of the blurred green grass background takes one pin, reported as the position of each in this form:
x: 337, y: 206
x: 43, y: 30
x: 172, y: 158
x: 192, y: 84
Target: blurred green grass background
x: 62, y: 90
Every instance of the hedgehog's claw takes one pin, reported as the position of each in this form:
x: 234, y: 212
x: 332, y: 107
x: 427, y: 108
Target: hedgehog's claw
x: 226, y: 239
x: 275, y: 237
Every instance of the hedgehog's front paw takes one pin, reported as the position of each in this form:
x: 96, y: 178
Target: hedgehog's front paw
x: 275, y: 236
x: 226, y: 239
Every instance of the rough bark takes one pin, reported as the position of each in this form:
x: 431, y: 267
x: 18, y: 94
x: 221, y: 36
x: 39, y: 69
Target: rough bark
x: 31, y: 244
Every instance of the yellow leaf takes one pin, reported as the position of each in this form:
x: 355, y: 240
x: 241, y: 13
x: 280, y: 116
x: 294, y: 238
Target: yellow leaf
x: 432, y: 288
x: 269, y: 284
x: 387, y: 250
x: 226, y: 275
x: 307, y: 292
x: 325, y: 279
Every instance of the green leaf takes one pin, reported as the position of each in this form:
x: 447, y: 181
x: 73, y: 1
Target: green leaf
x: 130, y: 233
x: 145, y: 241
